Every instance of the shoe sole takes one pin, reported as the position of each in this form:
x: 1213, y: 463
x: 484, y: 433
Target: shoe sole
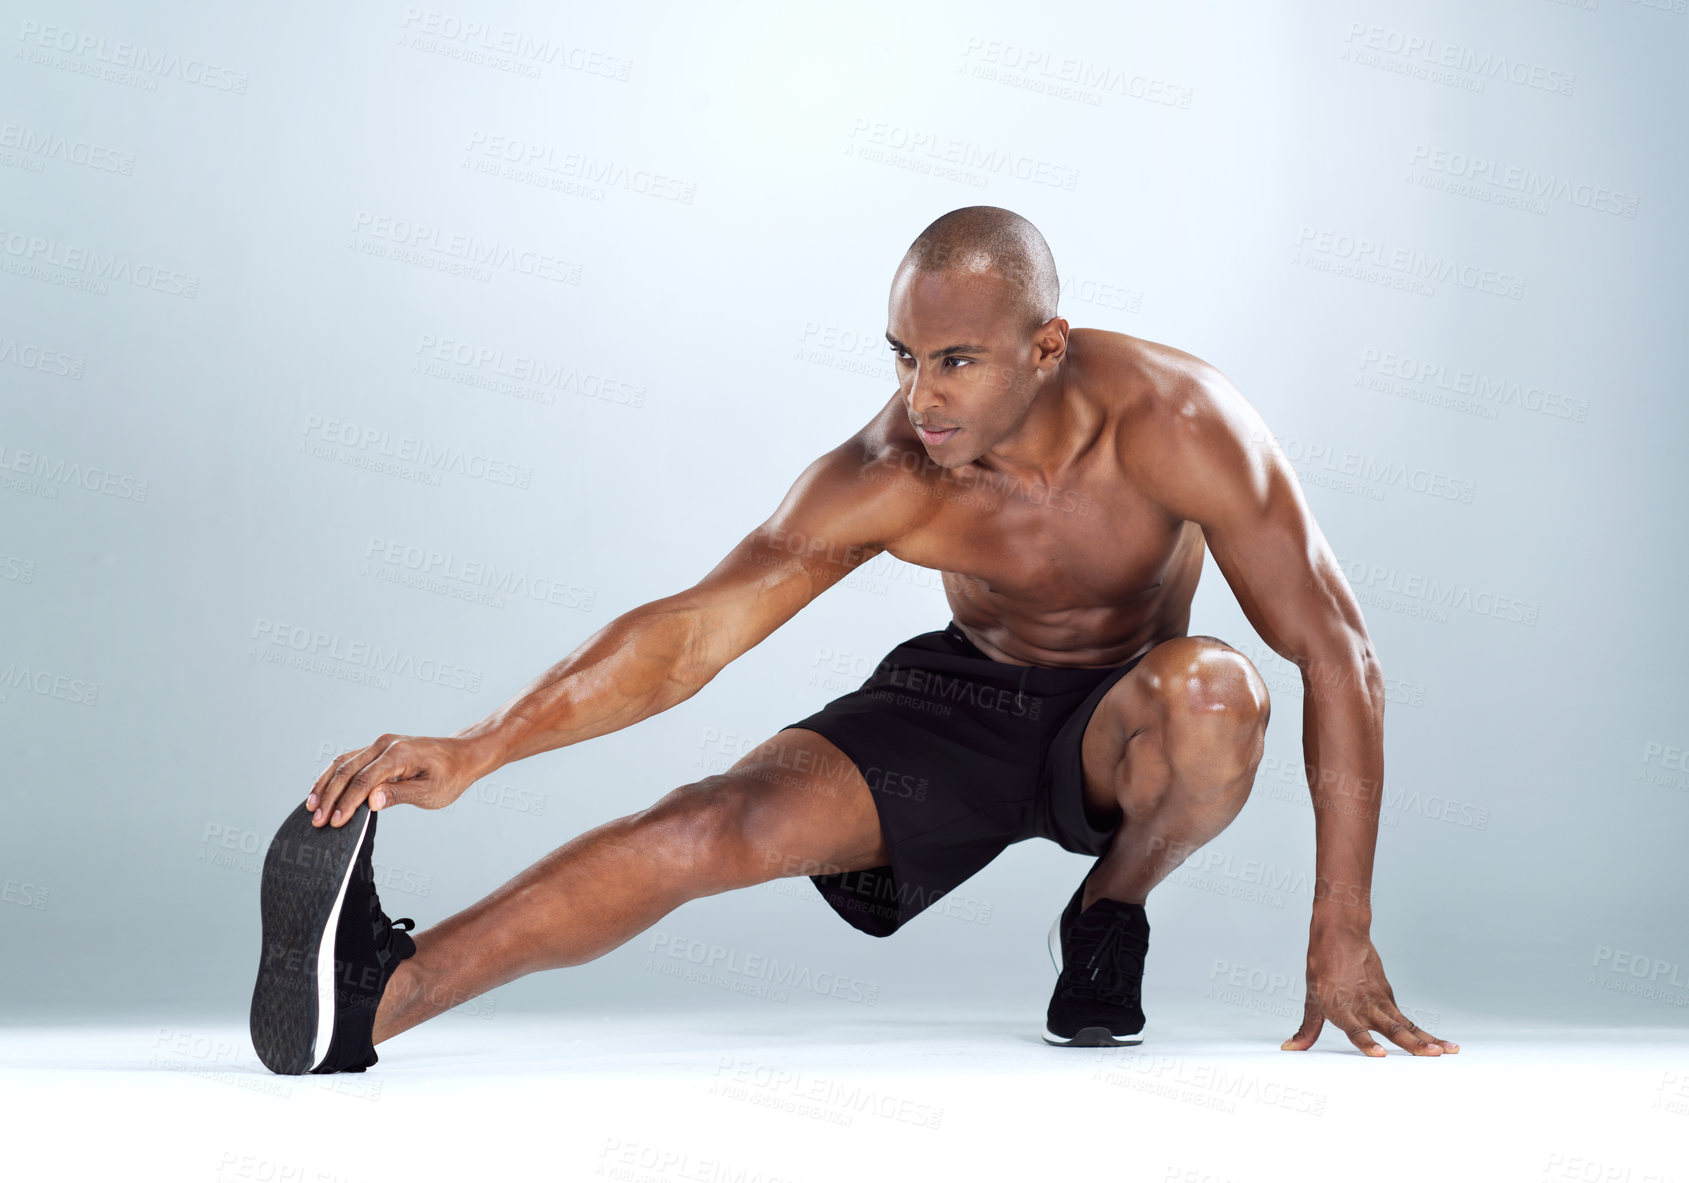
x: 1085, y: 1036
x: 1093, y: 1037
x: 306, y: 870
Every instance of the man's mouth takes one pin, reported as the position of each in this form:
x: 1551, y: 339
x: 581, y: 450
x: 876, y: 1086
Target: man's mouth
x: 935, y: 435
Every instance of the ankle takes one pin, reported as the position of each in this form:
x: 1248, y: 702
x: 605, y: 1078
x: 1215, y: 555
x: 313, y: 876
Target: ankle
x: 404, y: 988
x: 1091, y: 895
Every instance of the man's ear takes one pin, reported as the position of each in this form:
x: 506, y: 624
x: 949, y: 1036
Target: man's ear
x: 1051, y: 340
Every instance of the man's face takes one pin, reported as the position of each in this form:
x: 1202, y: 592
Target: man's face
x: 964, y: 361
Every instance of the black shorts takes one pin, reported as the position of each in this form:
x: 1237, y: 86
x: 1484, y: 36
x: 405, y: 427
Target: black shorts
x: 965, y: 756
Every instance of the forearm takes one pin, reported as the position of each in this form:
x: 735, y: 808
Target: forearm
x: 640, y: 664
x: 1343, y: 748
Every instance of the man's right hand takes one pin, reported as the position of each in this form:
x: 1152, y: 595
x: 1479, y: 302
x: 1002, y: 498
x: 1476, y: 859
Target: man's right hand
x: 394, y: 770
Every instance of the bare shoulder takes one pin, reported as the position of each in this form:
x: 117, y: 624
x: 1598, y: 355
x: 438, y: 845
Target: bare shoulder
x: 871, y: 490
x: 1186, y: 435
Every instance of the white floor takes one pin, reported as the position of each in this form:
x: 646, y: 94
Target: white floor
x: 754, y: 1097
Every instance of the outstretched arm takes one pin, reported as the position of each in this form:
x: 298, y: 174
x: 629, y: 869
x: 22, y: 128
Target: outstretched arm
x: 1216, y: 464
x: 647, y: 659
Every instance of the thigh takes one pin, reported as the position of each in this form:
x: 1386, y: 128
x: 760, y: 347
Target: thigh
x: 793, y: 805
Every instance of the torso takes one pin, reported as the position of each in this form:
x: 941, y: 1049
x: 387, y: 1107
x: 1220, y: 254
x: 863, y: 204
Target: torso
x: 1089, y: 571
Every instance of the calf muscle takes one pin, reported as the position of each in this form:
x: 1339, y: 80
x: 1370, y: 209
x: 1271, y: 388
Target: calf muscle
x: 794, y: 805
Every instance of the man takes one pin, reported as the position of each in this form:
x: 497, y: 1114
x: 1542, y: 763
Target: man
x: 1065, y: 481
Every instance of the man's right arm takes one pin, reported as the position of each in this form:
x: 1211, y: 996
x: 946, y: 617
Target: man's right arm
x: 839, y: 514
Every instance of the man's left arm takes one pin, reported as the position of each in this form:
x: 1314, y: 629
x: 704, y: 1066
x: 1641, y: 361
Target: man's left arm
x: 1216, y: 464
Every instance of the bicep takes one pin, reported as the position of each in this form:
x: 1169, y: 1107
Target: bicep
x: 830, y: 522
x: 1286, y: 579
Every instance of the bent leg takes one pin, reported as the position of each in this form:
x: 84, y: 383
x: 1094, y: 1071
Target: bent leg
x: 790, y: 805
x: 1171, y: 751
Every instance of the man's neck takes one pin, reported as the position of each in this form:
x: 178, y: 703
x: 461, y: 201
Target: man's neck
x: 1059, y: 425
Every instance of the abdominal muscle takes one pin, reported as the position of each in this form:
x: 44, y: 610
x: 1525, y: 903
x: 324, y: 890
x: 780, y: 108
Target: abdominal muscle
x: 1018, y: 632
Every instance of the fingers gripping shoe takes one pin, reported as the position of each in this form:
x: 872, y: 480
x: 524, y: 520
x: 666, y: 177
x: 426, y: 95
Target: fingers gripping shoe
x: 328, y: 948
x: 1099, y: 958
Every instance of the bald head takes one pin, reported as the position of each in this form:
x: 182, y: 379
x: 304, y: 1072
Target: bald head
x: 998, y: 246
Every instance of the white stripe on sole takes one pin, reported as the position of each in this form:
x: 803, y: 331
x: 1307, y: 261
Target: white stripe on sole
x: 325, y: 958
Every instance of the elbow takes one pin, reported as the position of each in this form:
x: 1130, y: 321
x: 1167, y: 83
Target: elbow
x: 1344, y: 660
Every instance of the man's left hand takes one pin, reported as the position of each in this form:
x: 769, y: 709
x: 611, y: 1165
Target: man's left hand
x: 1346, y: 984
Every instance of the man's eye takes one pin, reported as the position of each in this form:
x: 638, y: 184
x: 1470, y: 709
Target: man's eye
x: 962, y: 361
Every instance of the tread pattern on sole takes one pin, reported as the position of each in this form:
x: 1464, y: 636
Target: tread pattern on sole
x: 303, y: 872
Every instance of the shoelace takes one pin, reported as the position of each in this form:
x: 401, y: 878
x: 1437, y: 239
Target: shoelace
x: 1112, y: 973
x: 384, y: 929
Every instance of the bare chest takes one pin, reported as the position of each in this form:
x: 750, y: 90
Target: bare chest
x: 1097, y: 543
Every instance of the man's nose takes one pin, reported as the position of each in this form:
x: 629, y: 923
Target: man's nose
x: 922, y: 395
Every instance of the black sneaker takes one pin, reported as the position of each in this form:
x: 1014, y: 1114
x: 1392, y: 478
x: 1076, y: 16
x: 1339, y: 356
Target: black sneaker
x: 1099, y: 959
x: 328, y: 948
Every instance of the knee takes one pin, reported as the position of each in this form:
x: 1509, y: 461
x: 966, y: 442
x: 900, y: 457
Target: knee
x: 1215, y: 707
x: 702, y: 829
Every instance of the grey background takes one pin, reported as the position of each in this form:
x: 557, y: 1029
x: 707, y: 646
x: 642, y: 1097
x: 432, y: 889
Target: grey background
x: 717, y: 335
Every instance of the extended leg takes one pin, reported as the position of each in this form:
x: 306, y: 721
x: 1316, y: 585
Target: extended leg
x: 753, y: 823
x: 1172, y: 750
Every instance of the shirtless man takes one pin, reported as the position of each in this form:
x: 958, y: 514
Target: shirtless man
x: 1065, y: 481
